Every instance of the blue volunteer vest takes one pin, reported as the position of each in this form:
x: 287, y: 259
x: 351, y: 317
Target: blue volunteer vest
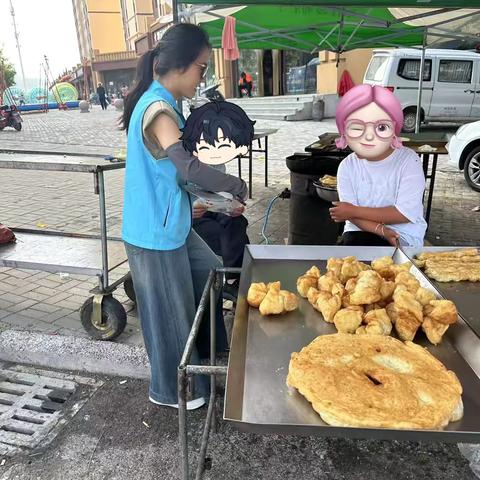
x: 156, y: 212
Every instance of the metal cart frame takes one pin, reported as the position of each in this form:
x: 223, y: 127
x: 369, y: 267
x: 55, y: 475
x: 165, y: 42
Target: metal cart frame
x: 102, y: 320
x: 185, y: 370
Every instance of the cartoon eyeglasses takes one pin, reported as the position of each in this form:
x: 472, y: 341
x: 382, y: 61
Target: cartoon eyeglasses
x: 383, y: 128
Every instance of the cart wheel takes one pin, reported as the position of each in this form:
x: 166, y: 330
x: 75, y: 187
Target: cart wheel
x: 129, y: 290
x: 114, y: 319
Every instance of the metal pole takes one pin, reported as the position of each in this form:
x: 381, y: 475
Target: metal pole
x: 103, y: 226
x: 12, y: 12
x: 213, y: 342
x: 175, y: 21
x: 182, y: 420
x: 420, y: 83
x: 175, y: 11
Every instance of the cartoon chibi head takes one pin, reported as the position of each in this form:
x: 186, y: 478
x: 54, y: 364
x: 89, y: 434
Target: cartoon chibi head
x: 369, y: 119
x: 217, y: 132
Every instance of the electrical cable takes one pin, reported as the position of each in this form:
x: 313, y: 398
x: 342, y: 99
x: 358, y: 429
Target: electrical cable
x: 283, y: 194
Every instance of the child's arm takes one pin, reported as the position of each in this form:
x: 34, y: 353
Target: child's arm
x: 189, y: 167
x: 342, y: 211
x: 408, y: 205
x: 379, y: 229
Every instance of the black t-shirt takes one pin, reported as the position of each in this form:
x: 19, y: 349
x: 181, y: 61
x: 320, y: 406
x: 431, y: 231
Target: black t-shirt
x: 101, y: 91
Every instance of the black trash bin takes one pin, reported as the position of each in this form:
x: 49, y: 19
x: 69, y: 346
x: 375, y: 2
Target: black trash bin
x: 310, y: 222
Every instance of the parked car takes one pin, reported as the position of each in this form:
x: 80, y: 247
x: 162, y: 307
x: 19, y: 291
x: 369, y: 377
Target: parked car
x: 464, y: 151
x: 451, y: 86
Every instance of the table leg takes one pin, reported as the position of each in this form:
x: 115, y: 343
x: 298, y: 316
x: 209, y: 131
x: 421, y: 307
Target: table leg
x: 431, y: 187
x: 266, y: 161
x: 250, y: 165
x: 425, y: 158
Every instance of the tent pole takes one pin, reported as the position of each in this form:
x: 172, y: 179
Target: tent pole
x: 420, y: 82
x: 175, y: 11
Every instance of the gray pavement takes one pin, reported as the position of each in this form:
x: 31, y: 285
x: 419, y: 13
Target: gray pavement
x: 119, y: 435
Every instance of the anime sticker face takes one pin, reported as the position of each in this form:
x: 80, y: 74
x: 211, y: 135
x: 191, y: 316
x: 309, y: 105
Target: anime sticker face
x: 222, y: 150
x: 369, y: 120
x: 217, y: 132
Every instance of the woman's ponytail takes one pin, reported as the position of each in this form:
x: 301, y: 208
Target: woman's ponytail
x: 143, y: 80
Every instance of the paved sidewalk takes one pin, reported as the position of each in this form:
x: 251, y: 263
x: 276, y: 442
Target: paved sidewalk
x: 49, y: 303
x: 119, y: 435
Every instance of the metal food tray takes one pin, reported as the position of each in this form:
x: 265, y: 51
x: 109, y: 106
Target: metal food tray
x: 257, y: 398
x: 60, y: 252
x: 58, y: 163
x: 465, y: 295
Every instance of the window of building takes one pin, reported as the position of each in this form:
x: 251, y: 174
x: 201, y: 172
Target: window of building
x: 455, y: 71
x: 409, y: 69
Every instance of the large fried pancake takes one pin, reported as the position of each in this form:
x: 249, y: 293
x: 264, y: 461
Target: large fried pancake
x: 375, y: 381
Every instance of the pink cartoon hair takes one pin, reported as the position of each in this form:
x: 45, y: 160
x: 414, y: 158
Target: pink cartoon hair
x: 361, y: 96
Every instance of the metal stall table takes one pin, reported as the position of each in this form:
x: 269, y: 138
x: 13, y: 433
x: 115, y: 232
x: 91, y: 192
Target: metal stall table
x: 102, y: 316
x: 257, y: 136
x: 257, y: 398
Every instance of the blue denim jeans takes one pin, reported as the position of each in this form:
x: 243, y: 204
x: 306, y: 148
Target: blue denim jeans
x: 168, y: 286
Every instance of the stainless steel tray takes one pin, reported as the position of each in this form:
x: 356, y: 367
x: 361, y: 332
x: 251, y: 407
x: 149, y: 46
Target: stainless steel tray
x: 257, y: 398
x: 466, y: 295
x: 60, y: 252
x: 58, y: 163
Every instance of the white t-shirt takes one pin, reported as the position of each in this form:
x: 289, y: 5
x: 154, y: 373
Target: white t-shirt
x: 396, y: 181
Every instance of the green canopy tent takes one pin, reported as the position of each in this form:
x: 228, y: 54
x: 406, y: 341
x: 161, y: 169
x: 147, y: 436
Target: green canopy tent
x: 346, y: 3
x: 312, y: 28
x: 314, y: 25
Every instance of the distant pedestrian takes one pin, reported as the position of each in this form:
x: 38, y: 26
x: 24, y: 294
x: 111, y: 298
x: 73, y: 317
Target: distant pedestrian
x: 245, y: 84
x: 124, y: 91
x: 102, y: 96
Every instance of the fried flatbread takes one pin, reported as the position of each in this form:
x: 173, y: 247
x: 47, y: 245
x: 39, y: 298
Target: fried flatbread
x: 464, y: 252
x: 375, y: 381
x: 453, y: 272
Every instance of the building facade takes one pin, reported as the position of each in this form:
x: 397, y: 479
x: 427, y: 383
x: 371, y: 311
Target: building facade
x: 107, y: 31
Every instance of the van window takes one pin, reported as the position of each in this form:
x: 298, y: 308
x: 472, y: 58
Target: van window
x: 409, y: 68
x: 377, y: 68
x: 455, y: 71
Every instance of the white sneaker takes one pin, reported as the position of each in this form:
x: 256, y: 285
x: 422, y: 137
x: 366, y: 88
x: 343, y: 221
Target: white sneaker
x: 191, y: 405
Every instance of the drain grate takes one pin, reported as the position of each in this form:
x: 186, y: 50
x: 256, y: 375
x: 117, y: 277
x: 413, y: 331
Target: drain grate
x: 32, y: 405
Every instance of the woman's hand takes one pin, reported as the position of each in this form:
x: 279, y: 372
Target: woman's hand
x: 199, y: 210
x: 342, y: 211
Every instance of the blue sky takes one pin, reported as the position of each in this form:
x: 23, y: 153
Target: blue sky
x: 45, y: 27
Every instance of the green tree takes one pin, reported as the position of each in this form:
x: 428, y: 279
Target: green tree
x: 7, y: 71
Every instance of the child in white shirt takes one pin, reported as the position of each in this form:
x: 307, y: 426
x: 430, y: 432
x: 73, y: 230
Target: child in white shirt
x: 381, y: 184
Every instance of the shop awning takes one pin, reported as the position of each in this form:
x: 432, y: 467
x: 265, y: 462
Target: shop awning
x: 337, y: 28
x: 346, y: 3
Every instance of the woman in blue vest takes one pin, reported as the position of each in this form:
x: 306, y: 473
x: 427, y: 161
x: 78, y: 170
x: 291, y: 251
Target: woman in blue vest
x: 169, y: 262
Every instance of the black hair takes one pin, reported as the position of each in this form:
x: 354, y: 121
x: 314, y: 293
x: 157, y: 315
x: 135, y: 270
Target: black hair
x: 207, y: 119
x: 179, y: 47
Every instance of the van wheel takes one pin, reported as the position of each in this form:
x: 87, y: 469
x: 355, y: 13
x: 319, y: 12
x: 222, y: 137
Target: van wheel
x: 409, y: 121
x: 471, y: 169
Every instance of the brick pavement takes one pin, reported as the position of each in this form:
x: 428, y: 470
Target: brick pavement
x: 40, y: 301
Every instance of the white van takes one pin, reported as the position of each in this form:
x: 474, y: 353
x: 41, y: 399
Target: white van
x: 451, y: 83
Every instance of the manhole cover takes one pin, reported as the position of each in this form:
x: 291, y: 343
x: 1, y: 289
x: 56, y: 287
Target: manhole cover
x: 35, y: 404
